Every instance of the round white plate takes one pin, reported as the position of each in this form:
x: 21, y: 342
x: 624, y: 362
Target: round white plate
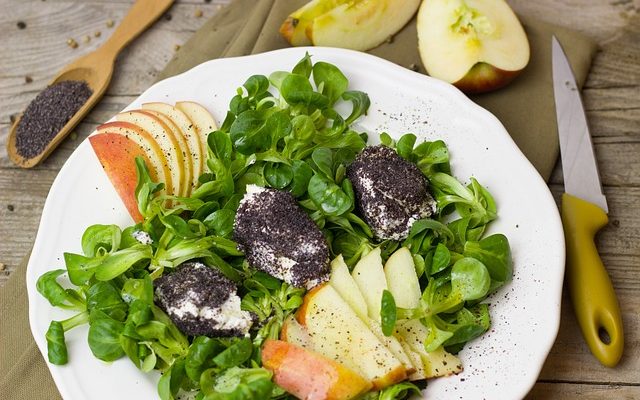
x: 502, y: 364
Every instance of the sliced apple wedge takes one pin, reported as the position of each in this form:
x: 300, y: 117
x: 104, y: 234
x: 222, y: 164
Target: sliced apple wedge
x: 203, y: 122
x: 361, y: 25
x: 189, y: 132
x: 369, y: 276
x: 157, y: 163
x: 344, y: 284
x: 295, y: 333
x: 309, y: 375
x: 436, y: 363
x: 294, y: 28
x: 402, y: 280
x: 339, y: 334
x: 416, y: 359
x: 478, y: 45
x: 347, y: 288
x: 117, y: 155
x: 167, y: 141
x: 183, y: 147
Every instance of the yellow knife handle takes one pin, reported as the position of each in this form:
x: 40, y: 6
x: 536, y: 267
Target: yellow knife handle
x: 592, y: 294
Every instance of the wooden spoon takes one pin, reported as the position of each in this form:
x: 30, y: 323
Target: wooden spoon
x: 96, y: 69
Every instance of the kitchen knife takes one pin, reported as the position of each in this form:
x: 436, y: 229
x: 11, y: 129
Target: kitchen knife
x: 584, y: 213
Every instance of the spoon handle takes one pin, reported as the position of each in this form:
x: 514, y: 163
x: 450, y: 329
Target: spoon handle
x: 142, y: 14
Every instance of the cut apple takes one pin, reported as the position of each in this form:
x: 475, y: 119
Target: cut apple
x: 203, y: 122
x: 294, y: 28
x: 309, y: 375
x: 295, y: 333
x: 416, y: 359
x: 117, y: 155
x: 436, y: 363
x: 188, y: 130
x: 347, y: 288
x: 344, y: 284
x: 478, y: 45
x: 167, y: 141
x: 183, y: 147
x: 157, y: 162
x: 369, y: 276
x: 339, y: 334
x: 361, y: 25
x: 402, y: 280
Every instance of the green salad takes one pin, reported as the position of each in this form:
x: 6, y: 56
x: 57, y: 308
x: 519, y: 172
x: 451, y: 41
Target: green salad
x: 283, y: 132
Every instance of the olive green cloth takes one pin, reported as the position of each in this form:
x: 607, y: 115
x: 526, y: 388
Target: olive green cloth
x: 251, y: 26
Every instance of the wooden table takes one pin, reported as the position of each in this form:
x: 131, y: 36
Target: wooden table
x: 34, y: 40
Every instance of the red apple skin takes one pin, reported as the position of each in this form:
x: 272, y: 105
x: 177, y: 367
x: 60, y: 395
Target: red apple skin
x: 310, y: 376
x: 117, y: 155
x: 484, y: 77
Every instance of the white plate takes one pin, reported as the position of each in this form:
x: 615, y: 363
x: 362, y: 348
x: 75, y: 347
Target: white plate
x: 502, y: 364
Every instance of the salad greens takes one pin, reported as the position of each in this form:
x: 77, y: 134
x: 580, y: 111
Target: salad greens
x: 293, y: 140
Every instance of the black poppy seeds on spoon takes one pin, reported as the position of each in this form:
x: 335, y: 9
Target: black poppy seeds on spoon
x: 47, y: 114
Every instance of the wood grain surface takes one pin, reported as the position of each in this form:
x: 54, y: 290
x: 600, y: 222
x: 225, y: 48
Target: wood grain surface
x: 33, y: 54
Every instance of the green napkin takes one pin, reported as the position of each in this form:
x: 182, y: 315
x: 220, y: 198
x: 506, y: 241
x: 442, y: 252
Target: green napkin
x: 248, y: 26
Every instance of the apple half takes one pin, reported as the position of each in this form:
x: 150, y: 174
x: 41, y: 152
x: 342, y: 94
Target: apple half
x: 361, y: 24
x: 477, y: 45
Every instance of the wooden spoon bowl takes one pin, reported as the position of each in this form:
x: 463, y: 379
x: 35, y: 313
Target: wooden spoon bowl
x: 96, y: 69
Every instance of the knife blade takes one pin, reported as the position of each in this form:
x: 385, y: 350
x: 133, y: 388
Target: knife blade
x: 584, y: 212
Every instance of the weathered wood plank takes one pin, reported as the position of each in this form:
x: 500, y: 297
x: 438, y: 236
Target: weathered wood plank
x: 568, y: 391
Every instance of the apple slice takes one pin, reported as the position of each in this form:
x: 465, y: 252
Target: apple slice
x: 183, y: 147
x: 416, y: 359
x: 369, y: 276
x: 295, y: 333
x: 339, y: 334
x: 167, y: 141
x: 309, y: 375
x: 478, y: 45
x: 203, y: 122
x: 347, y: 288
x: 294, y: 28
x: 157, y: 161
x: 402, y: 280
x: 189, y: 132
x: 361, y: 25
x: 117, y: 155
x: 436, y: 363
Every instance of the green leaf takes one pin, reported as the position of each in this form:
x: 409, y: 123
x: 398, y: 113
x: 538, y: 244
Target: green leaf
x: 495, y: 253
x: 328, y: 196
x: 303, y: 67
x: 96, y: 237
x: 302, y: 173
x: 404, y: 146
x: 200, y: 356
x: 80, y: 268
x: 361, y: 103
x: 145, y: 187
x: 117, y: 263
x: 138, y: 289
x: 234, y: 355
x: 441, y: 259
x: 105, y: 297
x: 470, y: 278
x: 104, y: 339
x: 296, y: 89
x: 323, y: 160
x: 331, y: 79
x: 246, y: 133
x: 278, y: 175
x: 220, y: 222
x: 48, y: 286
x: 402, y: 390
x: 56, y: 346
x: 277, y: 127
x: 388, y: 313
x: 256, y: 84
